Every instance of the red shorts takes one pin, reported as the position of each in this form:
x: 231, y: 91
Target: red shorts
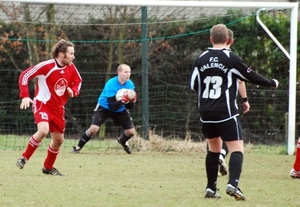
x: 54, y: 116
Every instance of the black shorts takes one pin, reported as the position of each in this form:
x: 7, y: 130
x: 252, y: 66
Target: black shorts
x: 122, y: 118
x: 228, y: 130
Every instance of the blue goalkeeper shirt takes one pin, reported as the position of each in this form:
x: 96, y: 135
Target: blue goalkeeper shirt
x: 110, y: 90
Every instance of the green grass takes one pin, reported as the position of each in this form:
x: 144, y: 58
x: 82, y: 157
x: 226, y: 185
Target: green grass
x: 111, y: 178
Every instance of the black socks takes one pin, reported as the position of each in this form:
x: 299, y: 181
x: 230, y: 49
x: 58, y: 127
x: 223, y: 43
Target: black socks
x: 124, y: 138
x: 235, y: 168
x: 212, y: 167
x: 83, y: 140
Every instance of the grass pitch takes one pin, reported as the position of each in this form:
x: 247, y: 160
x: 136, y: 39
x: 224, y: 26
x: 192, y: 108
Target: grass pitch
x: 143, y: 179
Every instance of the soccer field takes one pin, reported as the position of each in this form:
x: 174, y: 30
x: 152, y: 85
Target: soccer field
x: 148, y: 179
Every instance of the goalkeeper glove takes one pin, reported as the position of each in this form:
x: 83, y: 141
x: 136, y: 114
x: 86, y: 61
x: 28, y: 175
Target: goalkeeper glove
x: 134, y: 98
x: 125, y: 99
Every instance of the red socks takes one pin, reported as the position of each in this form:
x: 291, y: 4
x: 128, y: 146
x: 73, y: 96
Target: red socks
x: 297, y: 159
x: 50, y: 159
x: 31, y: 147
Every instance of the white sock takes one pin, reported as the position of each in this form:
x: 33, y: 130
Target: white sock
x: 223, y: 152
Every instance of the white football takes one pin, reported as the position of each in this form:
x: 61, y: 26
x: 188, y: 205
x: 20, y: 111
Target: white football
x: 120, y: 94
x: 131, y: 94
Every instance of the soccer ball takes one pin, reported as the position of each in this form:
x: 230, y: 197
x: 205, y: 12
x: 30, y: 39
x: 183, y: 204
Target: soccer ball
x: 131, y: 94
x: 120, y: 94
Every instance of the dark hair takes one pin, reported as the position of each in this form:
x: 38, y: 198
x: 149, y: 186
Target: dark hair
x: 61, y: 46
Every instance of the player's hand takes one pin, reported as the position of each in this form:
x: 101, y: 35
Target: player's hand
x: 125, y: 99
x: 133, y: 100
x: 25, y: 103
x: 70, y: 92
x: 277, y: 83
x: 246, y: 107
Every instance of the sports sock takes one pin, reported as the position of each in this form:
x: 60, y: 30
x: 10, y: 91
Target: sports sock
x: 212, y: 166
x: 223, y: 153
x: 51, y: 157
x: 83, y: 140
x: 297, y: 159
x: 235, y: 168
x: 124, y: 138
x: 224, y: 150
x: 31, y: 147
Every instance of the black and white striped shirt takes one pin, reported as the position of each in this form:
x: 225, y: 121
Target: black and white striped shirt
x: 215, y: 76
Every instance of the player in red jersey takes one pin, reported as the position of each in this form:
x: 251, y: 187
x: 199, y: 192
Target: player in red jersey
x: 57, y: 79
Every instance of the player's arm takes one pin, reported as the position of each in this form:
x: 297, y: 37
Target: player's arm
x: 194, y: 78
x: 130, y: 105
x: 24, y: 79
x: 74, y: 89
x: 243, y: 93
x: 113, y: 104
x: 247, y: 74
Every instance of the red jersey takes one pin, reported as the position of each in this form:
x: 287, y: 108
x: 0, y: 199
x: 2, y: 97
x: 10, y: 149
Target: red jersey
x: 52, y: 82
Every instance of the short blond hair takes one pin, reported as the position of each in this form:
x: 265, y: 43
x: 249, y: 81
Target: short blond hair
x: 219, y: 33
x: 120, y: 67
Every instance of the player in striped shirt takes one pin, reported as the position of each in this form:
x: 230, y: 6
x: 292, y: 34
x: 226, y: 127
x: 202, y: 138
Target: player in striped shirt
x: 246, y: 107
x: 214, y: 76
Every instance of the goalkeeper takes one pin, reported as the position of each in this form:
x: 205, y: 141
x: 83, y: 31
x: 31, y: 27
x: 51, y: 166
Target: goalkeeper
x: 107, y: 106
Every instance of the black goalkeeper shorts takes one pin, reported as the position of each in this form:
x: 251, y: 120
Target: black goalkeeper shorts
x: 122, y: 118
